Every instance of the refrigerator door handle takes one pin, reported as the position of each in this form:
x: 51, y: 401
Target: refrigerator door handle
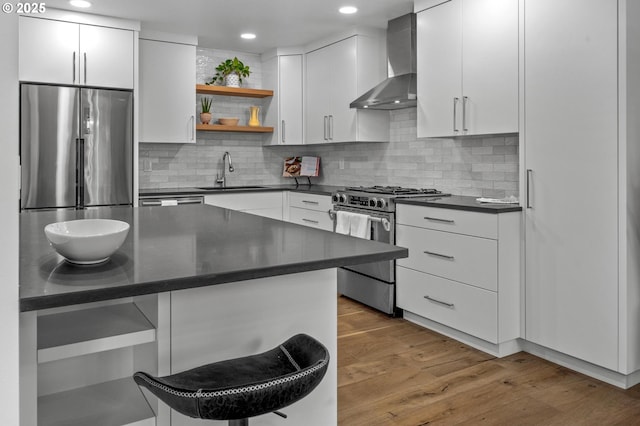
x: 80, y: 173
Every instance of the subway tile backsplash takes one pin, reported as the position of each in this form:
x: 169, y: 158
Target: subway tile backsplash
x: 477, y: 166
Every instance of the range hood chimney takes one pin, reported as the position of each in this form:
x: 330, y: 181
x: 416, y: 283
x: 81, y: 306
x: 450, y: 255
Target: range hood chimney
x: 399, y: 89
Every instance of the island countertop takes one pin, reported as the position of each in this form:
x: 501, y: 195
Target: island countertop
x: 174, y: 248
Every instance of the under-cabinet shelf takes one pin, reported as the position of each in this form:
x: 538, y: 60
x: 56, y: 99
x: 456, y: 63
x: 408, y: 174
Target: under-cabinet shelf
x: 244, y: 129
x: 75, y: 333
x: 233, y: 91
x: 117, y: 402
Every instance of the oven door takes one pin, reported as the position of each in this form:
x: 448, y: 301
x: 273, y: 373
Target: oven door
x: 385, y: 270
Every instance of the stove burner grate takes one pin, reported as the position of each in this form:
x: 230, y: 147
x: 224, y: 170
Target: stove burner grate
x: 393, y: 190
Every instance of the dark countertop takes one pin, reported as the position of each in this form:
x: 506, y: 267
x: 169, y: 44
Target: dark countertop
x: 311, y: 189
x: 459, y: 202
x: 178, y: 248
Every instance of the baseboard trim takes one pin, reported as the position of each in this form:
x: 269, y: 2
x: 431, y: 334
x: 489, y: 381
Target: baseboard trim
x: 624, y: 381
x: 498, y: 350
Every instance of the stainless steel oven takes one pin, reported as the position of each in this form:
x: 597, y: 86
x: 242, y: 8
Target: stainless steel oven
x: 374, y: 283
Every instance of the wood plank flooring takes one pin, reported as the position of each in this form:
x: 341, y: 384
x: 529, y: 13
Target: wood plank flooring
x: 393, y: 372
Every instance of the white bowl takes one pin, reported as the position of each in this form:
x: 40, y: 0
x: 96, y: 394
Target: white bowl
x: 87, y: 241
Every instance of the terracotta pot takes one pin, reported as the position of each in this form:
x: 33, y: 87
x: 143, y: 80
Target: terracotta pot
x: 205, y: 117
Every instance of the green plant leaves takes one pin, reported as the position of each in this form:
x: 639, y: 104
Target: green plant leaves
x: 231, y: 66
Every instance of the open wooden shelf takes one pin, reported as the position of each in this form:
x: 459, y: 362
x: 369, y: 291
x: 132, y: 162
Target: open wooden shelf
x: 244, y: 129
x: 233, y: 91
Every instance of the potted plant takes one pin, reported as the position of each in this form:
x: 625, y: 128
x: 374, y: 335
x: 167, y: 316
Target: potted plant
x: 231, y: 72
x: 205, y: 114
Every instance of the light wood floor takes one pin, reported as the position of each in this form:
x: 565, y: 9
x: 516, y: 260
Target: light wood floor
x: 393, y: 372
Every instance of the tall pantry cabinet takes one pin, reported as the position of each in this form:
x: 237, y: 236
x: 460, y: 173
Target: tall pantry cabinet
x: 580, y: 131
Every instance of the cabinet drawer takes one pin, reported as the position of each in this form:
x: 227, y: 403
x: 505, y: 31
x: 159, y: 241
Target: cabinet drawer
x: 469, y: 309
x: 310, y: 201
x: 471, y: 260
x: 313, y: 218
x: 459, y: 221
x: 246, y: 201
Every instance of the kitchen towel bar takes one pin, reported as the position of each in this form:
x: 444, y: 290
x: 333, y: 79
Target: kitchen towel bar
x: 385, y: 222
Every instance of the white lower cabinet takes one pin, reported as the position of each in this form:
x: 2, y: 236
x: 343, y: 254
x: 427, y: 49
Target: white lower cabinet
x: 462, y: 276
x: 460, y: 306
x: 310, y: 210
x: 266, y: 204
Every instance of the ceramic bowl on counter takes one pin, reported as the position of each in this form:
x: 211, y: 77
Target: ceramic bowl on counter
x: 87, y: 241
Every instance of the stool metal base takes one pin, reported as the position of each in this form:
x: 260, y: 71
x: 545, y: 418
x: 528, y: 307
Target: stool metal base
x: 240, y: 422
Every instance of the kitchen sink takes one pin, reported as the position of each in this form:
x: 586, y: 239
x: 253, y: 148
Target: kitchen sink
x: 227, y: 188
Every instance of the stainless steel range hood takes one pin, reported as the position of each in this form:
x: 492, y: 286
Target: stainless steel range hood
x: 399, y: 89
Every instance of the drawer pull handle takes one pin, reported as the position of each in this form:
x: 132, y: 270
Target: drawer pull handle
x: 437, y: 219
x: 310, y: 221
x: 310, y: 202
x: 444, y: 256
x: 440, y: 302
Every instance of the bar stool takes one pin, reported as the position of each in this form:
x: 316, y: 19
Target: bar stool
x: 240, y: 388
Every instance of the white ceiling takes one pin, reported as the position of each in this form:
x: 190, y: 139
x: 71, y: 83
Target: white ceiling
x: 277, y: 23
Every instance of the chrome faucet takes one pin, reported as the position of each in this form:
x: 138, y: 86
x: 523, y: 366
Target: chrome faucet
x: 222, y: 180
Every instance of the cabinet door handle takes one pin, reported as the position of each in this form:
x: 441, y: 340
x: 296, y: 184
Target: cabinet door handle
x: 464, y: 113
x: 193, y: 127
x: 310, y: 221
x: 74, y: 67
x: 331, y: 127
x: 444, y: 256
x: 283, y: 131
x: 455, y: 114
x: 326, y: 120
x: 85, y: 67
x: 310, y: 202
x: 440, y: 302
x: 437, y: 219
x: 529, y: 179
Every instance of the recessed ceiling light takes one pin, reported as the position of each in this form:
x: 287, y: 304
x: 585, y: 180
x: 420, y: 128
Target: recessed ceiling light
x: 248, y: 36
x: 80, y: 3
x: 348, y: 10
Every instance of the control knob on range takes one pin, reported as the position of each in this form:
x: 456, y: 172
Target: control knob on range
x: 372, y: 202
x: 382, y: 203
x: 339, y: 198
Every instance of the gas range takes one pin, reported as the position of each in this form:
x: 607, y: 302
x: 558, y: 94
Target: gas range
x: 379, y: 198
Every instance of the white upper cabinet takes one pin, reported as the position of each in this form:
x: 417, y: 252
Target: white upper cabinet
x: 285, y: 114
x: 75, y: 54
x: 467, y: 60
x: 336, y: 74
x: 319, y: 95
x: 167, y: 92
x: 49, y: 51
x: 106, y: 56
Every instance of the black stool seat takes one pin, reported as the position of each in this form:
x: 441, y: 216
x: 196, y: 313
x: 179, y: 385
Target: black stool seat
x: 244, y: 387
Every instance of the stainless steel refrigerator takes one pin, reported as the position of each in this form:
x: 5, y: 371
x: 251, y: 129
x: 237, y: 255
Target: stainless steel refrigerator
x: 76, y: 147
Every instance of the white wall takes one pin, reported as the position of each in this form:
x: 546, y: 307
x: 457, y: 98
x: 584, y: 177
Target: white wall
x: 9, y: 309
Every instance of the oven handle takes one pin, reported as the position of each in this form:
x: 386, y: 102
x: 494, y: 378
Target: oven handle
x: 385, y: 222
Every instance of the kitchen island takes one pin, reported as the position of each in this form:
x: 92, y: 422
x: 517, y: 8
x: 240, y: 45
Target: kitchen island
x: 190, y: 285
